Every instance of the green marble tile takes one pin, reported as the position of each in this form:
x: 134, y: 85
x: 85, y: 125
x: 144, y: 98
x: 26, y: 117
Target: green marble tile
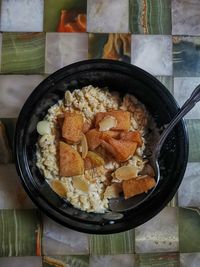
x: 0, y: 12
x: 20, y: 233
x: 174, y: 202
x: 167, y: 81
x: 29, y: 261
x: 52, y: 12
x: 9, y: 124
x: 186, y: 56
x: 23, y: 53
x: 112, y: 244
x: 0, y: 45
x: 150, y: 17
x: 68, y: 261
x: 189, y: 230
x: 125, y: 260
x: 110, y: 46
x: 193, y: 127
x: 157, y: 260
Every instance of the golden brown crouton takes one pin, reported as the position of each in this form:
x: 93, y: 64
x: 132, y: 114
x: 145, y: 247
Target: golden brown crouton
x: 72, y: 127
x: 86, y: 126
x: 123, y: 119
x: 135, y: 186
x: 94, y: 137
x: 71, y: 163
x: 134, y: 136
x: 122, y: 150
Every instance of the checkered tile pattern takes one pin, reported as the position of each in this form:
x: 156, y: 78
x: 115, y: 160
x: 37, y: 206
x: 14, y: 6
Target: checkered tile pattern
x: 37, y: 38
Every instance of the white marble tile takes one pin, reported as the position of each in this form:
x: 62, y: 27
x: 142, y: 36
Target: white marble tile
x: 189, y: 190
x: 185, y: 17
x: 0, y: 49
x: 125, y: 260
x: 12, y: 194
x: 108, y: 16
x: 14, y: 90
x: 160, y: 234
x: 183, y: 88
x: 152, y: 53
x: 22, y: 16
x: 59, y: 240
x: 189, y: 259
x: 21, y: 261
x: 64, y: 48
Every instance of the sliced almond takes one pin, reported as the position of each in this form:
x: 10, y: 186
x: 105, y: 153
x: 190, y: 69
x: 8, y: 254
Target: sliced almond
x: 80, y: 183
x: 113, y: 190
x: 93, y: 160
x: 59, y: 188
x: 43, y: 127
x: 107, y: 123
x: 84, y: 146
x: 126, y: 172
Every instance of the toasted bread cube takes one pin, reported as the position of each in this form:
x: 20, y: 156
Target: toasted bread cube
x: 135, y: 186
x: 71, y: 163
x: 94, y: 137
x: 60, y: 120
x: 86, y: 126
x: 134, y: 136
x: 122, y: 150
x: 123, y: 119
x: 72, y: 127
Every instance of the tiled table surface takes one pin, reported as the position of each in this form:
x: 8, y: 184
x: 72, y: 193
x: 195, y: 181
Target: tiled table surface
x: 161, y: 36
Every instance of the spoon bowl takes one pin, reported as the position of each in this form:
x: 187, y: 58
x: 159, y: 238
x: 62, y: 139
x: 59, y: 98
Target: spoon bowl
x: 121, y: 204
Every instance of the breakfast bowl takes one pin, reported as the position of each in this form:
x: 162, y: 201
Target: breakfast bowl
x: 117, y: 77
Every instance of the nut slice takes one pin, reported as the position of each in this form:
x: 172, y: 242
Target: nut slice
x: 80, y: 183
x: 43, y: 127
x: 126, y: 172
x: 107, y: 123
x: 93, y: 160
x: 113, y: 190
x: 59, y: 188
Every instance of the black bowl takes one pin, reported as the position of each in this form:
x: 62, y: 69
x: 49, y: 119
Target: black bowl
x: 118, y: 76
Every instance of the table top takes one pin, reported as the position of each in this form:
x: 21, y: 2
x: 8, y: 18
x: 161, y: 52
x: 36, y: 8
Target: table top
x: 37, y: 38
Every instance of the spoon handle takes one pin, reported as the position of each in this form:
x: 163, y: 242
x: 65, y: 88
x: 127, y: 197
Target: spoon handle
x: 187, y: 106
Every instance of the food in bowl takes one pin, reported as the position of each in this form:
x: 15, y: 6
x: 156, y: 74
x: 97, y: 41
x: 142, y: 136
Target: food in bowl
x: 92, y: 147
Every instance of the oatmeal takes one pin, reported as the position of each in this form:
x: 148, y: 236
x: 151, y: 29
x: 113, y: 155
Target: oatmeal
x: 91, y: 148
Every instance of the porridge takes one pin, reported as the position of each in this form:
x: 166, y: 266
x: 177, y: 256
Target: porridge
x: 92, y: 148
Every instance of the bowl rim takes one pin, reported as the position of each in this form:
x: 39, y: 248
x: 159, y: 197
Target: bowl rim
x: 44, y: 206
